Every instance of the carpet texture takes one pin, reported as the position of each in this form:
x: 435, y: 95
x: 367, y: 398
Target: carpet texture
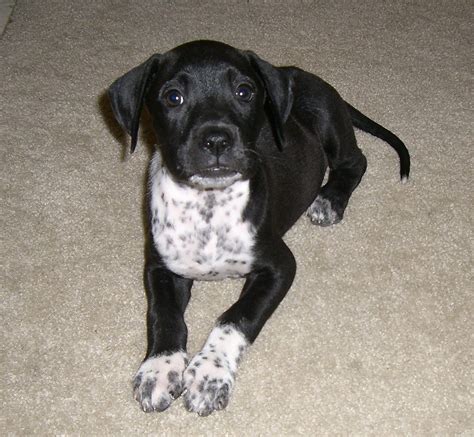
x: 375, y: 337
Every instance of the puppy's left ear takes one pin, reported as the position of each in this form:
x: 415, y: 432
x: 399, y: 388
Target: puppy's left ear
x: 127, y: 95
x: 279, y: 91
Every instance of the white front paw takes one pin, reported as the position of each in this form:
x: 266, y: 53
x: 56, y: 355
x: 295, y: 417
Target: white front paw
x: 159, y: 381
x: 210, y: 376
x: 208, y: 381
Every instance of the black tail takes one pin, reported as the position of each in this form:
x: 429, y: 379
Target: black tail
x: 364, y: 123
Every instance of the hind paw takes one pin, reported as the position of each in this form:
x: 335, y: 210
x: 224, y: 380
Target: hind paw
x: 322, y: 213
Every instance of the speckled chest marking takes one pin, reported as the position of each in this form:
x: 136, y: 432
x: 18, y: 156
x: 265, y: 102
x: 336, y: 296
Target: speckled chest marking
x: 201, y: 234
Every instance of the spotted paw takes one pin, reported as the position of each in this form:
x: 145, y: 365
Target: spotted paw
x: 159, y: 381
x: 210, y: 376
x: 322, y: 213
x: 209, y: 382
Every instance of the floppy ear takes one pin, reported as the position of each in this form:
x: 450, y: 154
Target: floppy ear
x: 127, y: 95
x: 278, y: 88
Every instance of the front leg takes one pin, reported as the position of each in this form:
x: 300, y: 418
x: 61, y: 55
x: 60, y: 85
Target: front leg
x: 159, y: 379
x: 210, y: 376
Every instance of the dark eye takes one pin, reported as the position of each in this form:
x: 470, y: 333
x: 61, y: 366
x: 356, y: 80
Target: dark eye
x: 244, y: 92
x: 173, y: 98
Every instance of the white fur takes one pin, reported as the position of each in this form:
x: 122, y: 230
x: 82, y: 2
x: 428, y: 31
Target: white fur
x: 210, y: 376
x: 200, y: 234
x: 320, y: 212
x: 159, y: 380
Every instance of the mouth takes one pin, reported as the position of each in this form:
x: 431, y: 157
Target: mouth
x: 214, y: 178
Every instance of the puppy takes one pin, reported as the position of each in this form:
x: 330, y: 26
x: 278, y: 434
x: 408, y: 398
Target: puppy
x: 243, y: 150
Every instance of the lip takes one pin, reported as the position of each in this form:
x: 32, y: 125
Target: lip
x: 215, y: 178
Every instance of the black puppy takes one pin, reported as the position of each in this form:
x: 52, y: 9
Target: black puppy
x: 243, y: 150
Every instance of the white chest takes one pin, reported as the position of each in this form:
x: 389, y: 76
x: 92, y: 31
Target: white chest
x: 201, y: 234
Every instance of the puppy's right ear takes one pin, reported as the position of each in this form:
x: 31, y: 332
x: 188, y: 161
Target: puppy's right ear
x: 127, y: 95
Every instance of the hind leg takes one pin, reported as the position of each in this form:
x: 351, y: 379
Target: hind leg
x: 344, y: 176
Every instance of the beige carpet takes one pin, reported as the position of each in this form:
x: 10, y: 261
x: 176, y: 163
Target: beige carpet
x: 375, y: 337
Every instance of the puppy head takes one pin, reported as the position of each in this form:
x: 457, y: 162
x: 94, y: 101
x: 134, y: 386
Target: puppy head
x: 208, y: 102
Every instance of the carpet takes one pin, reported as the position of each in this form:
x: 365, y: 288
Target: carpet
x: 375, y: 337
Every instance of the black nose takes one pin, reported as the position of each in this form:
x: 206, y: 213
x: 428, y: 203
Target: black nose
x: 217, y: 141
